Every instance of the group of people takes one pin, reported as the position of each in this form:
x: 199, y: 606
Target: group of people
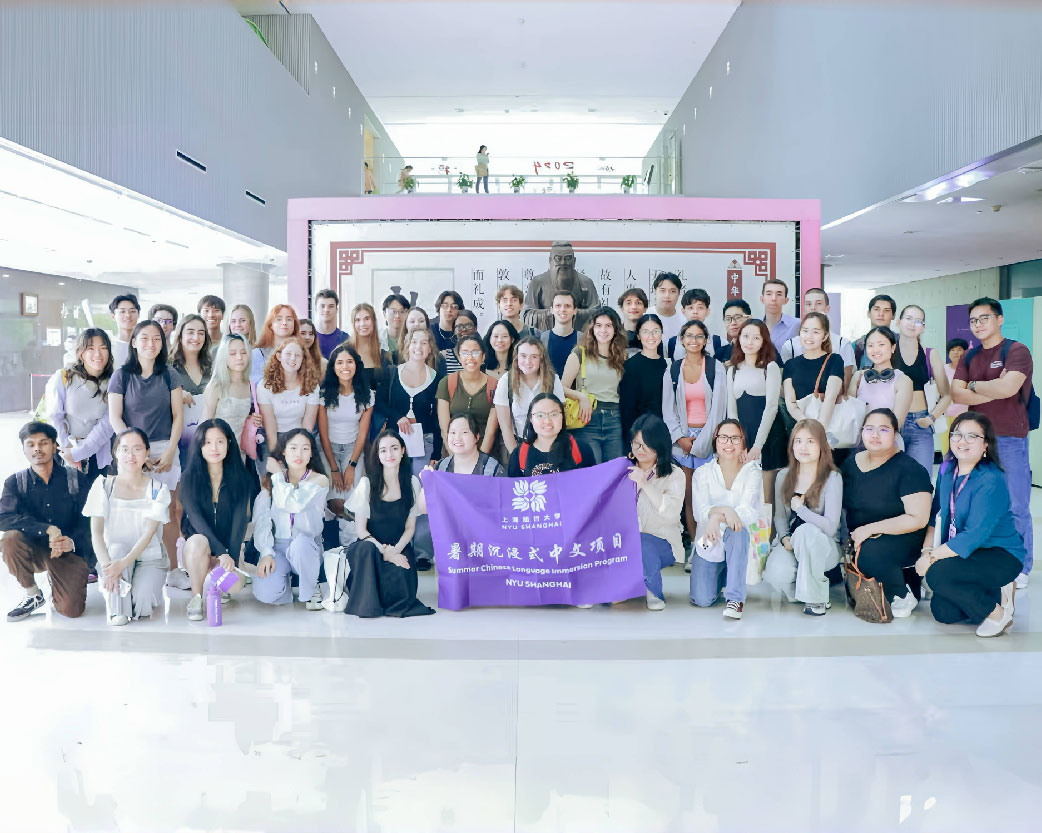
x: 191, y: 442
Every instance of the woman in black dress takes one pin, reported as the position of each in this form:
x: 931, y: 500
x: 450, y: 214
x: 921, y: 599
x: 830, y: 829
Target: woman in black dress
x: 640, y: 391
x: 382, y: 581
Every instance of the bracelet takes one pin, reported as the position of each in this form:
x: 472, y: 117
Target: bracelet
x: 353, y: 464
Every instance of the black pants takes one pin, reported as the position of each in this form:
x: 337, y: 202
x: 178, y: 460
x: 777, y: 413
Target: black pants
x: 889, y: 559
x: 967, y: 589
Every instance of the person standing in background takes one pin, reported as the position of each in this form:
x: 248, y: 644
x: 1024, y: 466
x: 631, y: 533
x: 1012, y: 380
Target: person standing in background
x: 327, y: 323
x: 126, y: 310
x: 736, y: 313
x: 774, y: 295
x: 995, y: 380
x: 882, y: 310
x: 212, y: 308
x: 481, y: 169
x: 395, y: 309
x: 165, y: 316
x: 242, y: 322
x: 665, y: 291
x: 370, y: 181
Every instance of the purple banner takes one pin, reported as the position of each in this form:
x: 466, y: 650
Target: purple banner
x: 570, y: 538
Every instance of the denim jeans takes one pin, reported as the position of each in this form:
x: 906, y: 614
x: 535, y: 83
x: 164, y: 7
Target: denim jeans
x: 603, y: 433
x: 707, y: 577
x: 656, y: 554
x: 1013, y: 452
x: 477, y: 184
x: 919, y: 441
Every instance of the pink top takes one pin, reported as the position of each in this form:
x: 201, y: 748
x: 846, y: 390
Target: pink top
x: 879, y: 394
x: 953, y: 409
x: 695, y: 397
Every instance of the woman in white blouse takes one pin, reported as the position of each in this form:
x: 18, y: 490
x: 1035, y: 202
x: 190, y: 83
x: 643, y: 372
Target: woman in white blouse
x: 727, y: 495
x: 127, y: 511
x: 660, y: 497
x: 287, y: 523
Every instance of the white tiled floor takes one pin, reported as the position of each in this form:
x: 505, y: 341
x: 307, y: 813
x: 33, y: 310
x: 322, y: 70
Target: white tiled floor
x: 613, y: 719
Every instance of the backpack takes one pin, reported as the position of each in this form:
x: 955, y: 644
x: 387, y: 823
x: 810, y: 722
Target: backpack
x: 21, y: 480
x: 522, y: 452
x: 487, y: 470
x: 1031, y: 404
x: 453, y: 382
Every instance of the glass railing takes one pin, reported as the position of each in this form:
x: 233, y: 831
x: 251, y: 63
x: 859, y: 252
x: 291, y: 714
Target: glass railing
x: 541, y: 175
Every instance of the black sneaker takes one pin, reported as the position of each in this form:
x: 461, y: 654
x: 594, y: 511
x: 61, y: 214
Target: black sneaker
x: 28, y: 606
x: 423, y: 564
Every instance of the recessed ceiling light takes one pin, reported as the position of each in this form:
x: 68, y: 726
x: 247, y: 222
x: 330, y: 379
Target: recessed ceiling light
x: 835, y: 256
x: 61, y: 283
x: 959, y: 200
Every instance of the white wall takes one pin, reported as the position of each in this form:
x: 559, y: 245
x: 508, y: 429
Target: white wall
x: 117, y: 90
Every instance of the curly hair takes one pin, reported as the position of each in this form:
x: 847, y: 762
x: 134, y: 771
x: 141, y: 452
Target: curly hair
x: 616, y: 357
x: 359, y: 384
x: 275, y: 381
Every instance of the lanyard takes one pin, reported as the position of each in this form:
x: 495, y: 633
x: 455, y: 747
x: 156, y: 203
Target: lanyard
x: 293, y: 515
x: 951, y: 501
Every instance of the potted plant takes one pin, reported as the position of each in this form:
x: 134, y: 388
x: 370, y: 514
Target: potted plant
x: 517, y: 183
x: 464, y: 182
x: 628, y: 182
x: 410, y: 184
x: 571, y: 181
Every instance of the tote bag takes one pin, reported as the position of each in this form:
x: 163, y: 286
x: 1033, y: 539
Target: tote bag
x: 847, y: 414
x: 251, y: 434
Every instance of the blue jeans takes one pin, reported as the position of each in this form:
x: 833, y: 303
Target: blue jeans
x: 477, y: 184
x: 656, y: 554
x: 918, y: 441
x: 1013, y: 452
x: 603, y: 434
x: 707, y: 577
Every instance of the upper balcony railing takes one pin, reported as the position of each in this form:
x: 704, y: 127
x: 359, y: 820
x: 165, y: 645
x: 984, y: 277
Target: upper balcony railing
x: 542, y: 175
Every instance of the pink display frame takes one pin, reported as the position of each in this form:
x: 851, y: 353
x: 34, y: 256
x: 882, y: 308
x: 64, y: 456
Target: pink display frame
x: 302, y: 212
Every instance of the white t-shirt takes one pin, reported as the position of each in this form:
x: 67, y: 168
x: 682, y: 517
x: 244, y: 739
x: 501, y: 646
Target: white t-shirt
x: 120, y: 351
x: 671, y: 325
x: 522, y: 399
x: 343, y: 419
x: 289, y: 406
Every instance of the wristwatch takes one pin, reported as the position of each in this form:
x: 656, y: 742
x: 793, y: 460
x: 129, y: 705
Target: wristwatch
x: 353, y: 464
x: 973, y: 386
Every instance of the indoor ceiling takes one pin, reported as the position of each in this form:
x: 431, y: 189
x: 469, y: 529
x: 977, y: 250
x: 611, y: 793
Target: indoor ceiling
x: 535, y: 66
x: 941, y: 228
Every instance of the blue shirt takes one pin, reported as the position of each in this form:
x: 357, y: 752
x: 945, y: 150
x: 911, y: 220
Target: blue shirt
x: 982, y: 511
x: 785, y: 329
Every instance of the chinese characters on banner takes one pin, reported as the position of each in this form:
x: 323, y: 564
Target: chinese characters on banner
x: 569, y: 538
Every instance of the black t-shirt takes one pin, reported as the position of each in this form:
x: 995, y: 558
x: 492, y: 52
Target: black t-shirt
x: 871, y: 496
x: 538, y: 462
x: 804, y: 372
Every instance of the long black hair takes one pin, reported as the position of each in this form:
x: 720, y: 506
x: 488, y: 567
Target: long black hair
x: 491, y: 362
x: 561, y: 450
x: 133, y: 364
x: 195, y: 483
x: 991, y: 442
x: 279, y: 453
x: 359, y: 383
x: 374, y: 470
x: 655, y: 435
x: 77, y: 368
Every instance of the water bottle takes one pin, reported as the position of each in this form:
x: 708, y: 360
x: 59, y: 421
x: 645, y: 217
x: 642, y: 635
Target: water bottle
x: 213, y: 606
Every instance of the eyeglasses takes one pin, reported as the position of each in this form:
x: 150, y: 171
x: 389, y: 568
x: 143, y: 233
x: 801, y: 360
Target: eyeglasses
x: 655, y: 332
x: 694, y: 337
x: 915, y: 322
x: 544, y: 416
x: 984, y: 319
x: 729, y: 439
x: 394, y: 313
x: 165, y: 321
x: 470, y: 354
x: 957, y: 436
x: 447, y: 306
x: 734, y: 319
x: 875, y: 431
x: 636, y: 445
x: 464, y: 326
x: 563, y: 258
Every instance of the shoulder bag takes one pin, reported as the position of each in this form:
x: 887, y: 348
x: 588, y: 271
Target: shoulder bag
x: 847, y: 414
x: 866, y: 595
x: 572, y: 420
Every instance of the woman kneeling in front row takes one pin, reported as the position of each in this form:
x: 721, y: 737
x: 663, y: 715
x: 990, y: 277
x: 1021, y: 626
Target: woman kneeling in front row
x: 727, y: 495
x: 287, y: 522
x: 973, y: 569
x: 383, y: 580
x: 660, y: 498
x: 808, y: 502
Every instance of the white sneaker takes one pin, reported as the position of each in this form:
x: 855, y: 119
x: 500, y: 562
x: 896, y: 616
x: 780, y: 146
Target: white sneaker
x: 315, y: 602
x: 902, y: 606
x: 1022, y: 581
x: 1008, y: 592
x: 584, y: 607
x: 195, y: 608
x: 118, y: 619
x: 654, y: 602
x: 178, y: 579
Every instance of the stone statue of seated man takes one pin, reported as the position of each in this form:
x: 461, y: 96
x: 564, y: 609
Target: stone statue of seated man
x: 561, y: 275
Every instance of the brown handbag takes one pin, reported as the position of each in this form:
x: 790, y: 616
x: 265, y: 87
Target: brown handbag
x: 865, y: 594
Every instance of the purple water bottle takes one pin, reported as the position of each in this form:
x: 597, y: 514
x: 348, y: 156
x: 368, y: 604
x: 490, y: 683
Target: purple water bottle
x: 213, y: 606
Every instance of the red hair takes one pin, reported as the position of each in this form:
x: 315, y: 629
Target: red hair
x: 267, y: 334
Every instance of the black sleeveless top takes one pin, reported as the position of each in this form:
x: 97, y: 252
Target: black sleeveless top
x: 916, y: 371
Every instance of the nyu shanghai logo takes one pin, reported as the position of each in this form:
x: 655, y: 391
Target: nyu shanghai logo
x: 530, y: 499
x: 529, y: 496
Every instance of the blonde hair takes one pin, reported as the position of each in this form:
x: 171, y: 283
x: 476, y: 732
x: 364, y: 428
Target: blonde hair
x: 432, y: 355
x: 251, y: 336
x: 371, y: 346
x: 546, y: 370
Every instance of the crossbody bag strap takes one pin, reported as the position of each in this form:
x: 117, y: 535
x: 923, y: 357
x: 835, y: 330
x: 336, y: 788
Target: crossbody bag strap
x: 818, y: 380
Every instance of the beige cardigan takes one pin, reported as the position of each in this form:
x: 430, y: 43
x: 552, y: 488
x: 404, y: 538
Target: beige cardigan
x: 658, y: 509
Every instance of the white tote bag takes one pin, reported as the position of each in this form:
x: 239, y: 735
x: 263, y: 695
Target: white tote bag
x: 847, y: 414
x: 933, y: 396
x: 337, y: 568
